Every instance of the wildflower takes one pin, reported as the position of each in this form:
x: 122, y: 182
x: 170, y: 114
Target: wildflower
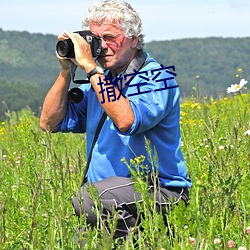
x: 216, y: 241
x: 221, y: 147
x: 132, y: 162
x: 198, y: 182
x: 45, y: 216
x: 123, y: 160
x: 14, y: 188
x: 237, y: 87
x: 247, y: 133
x: 240, y: 70
x: 248, y: 230
x: 230, y: 244
x: 138, y: 160
x: 242, y: 248
x: 22, y: 210
x: 195, y: 106
x: 192, y: 240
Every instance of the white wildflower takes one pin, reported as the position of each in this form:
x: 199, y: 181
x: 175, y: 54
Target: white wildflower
x: 247, y: 133
x: 236, y: 87
x: 242, y: 248
x: 192, y: 240
x: 217, y: 241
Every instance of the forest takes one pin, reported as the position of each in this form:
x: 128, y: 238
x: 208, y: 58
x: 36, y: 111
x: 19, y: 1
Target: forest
x: 205, y: 67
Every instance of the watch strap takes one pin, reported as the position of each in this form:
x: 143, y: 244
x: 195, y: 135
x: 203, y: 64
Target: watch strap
x: 95, y: 71
x: 91, y: 73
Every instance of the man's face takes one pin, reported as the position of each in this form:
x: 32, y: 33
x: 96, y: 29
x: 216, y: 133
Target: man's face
x: 118, y: 50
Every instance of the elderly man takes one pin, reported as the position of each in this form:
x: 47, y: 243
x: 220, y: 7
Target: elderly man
x: 144, y: 106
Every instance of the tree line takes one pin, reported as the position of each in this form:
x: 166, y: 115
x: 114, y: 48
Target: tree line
x: 204, y: 67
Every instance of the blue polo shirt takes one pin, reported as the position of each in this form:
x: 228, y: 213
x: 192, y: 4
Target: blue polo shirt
x: 154, y: 97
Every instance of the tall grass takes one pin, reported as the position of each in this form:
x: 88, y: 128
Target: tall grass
x: 40, y: 172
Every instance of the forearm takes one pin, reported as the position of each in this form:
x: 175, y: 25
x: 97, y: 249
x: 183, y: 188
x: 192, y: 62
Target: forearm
x: 119, y: 111
x: 55, y: 103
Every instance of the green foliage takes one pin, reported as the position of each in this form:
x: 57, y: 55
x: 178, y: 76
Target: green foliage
x: 36, y: 184
x: 28, y: 58
x: 216, y: 146
x: 201, y: 65
x: 204, y: 61
x: 40, y: 172
x: 14, y: 95
x: 28, y: 68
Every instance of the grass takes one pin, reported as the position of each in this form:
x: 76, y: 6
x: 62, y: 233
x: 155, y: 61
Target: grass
x: 40, y: 172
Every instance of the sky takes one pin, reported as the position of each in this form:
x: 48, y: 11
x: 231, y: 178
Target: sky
x: 162, y: 19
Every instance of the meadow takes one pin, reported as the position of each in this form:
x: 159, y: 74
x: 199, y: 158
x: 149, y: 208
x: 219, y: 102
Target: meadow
x: 40, y: 172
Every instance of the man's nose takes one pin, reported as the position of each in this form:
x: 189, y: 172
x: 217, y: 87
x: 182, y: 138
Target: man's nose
x: 104, y: 44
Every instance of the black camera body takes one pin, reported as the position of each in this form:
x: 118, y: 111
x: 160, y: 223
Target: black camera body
x: 65, y: 48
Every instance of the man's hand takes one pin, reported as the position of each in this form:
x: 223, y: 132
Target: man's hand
x: 83, y: 54
x: 66, y: 63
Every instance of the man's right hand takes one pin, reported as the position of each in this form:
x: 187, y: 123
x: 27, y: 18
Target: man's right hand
x: 66, y: 63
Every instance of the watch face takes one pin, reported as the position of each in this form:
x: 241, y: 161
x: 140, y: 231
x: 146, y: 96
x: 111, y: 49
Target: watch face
x: 99, y: 70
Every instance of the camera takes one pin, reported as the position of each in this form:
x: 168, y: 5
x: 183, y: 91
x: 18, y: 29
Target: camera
x: 65, y: 48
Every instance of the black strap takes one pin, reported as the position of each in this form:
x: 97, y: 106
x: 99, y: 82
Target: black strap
x: 97, y: 132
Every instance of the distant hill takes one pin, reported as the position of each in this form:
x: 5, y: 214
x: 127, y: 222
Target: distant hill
x: 211, y: 63
x: 28, y: 58
x: 28, y: 66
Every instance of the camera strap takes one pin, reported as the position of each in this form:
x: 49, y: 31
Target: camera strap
x: 137, y: 63
x: 97, y: 132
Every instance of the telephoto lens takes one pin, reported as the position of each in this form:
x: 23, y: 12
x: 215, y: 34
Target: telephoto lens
x: 65, y: 48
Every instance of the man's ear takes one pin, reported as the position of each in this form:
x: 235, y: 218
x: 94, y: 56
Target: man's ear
x: 134, y: 42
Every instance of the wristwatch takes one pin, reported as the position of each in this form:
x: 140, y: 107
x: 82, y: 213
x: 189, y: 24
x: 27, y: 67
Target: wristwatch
x: 96, y: 70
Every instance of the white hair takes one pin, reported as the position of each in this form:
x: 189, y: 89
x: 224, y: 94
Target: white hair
x: 120, y: 13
